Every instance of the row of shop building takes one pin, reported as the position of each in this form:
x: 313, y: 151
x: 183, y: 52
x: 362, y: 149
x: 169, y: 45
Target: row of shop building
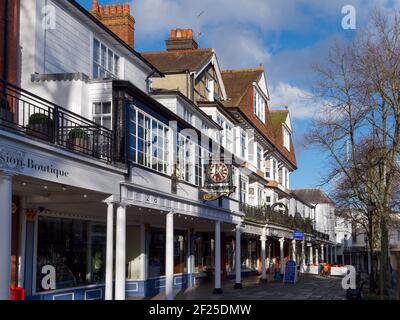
x: 126, y: 174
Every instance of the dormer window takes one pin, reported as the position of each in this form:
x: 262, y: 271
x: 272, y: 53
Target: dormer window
x: 286, y: 138
x: 259, y: 106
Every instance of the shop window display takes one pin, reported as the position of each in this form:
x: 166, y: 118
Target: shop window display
x: 76, y: 250
x: 157, y: 252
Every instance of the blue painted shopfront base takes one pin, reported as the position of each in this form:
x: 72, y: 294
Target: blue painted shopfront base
x: 244, y: 273
x: 154, y: 286
x: 134, y: 289
x: 83, y: 293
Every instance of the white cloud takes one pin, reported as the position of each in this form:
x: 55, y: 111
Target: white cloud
x: 300, y: 102
x: 239, y: 48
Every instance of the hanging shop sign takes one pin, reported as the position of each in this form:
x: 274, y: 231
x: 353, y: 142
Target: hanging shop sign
x: 218, y: 180
x: 298, y: 235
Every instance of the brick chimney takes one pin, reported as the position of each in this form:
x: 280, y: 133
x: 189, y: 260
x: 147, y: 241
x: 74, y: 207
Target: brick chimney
x: 118, y: 18
x: 181, y: 39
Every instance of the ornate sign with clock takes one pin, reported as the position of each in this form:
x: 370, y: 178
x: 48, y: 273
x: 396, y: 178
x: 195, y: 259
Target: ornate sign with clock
x: 218, y: 180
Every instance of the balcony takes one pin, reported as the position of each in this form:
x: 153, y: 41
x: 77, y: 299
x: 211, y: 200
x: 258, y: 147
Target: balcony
x: 266, y: 215
x: 26, y: 113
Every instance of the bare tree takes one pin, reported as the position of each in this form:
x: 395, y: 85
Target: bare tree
x: 359, y: 128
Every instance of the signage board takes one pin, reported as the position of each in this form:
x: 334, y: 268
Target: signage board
x: 218, y: 180
x: 298, y: 235
x: 290, y: 275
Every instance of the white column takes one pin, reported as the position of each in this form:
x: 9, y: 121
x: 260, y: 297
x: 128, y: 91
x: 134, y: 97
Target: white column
x: 5, y: 234
x: 263, y: 240
x: 21, y: 244
x: 322, y: 253
x: 217, y: 263
x: 189, y: 256
x: 311, y: 258
x: 169, y: 257
x: 316, y: 256
x: 120, y: 255
x: 238, y: 262
x: 303, y: 252
x: 282, y: 254
x: 110, y: 251
x: 294, y: 250
x: 143, y: 254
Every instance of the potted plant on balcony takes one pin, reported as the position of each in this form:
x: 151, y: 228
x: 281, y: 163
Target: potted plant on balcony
x: 41, y: 126
x: 6, y: 113
x: 78, y: 140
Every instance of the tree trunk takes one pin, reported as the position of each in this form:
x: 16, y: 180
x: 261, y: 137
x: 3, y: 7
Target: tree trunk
x: 384, y: 259
x: 398, y: 275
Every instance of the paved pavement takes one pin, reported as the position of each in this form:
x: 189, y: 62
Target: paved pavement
x: 308, y: 287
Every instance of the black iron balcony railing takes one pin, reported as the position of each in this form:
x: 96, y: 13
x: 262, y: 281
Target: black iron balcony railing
x: 25, y: 112
x: 267, y: 215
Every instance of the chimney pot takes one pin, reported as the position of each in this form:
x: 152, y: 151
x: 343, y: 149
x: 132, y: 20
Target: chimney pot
x: 120, y: 8
x: 114, y: 9
x: 181, y: 39
x: 101, y: 10
x: 107, y: 11
x: 95, y: 6
x: 127, y: 8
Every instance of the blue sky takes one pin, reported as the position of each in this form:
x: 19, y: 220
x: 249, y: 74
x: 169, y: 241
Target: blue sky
x: 286, y: 36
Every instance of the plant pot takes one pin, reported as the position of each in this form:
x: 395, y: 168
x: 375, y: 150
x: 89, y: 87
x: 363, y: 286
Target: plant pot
x: 78, y: 144
x: 41, y: 130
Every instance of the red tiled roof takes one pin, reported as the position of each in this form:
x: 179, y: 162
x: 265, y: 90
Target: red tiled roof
x: 278, y: 117
x: 177, y: 61
x: 239, y: 88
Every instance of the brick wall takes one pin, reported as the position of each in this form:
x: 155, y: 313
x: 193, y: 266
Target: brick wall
x: 13, y: 39
x: 118, y: 18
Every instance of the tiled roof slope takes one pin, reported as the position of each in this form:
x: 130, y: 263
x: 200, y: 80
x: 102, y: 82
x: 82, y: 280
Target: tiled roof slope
x: 278, y: 117
x: 178, y: 61
x: 315, y: 196
x: 239, y: 88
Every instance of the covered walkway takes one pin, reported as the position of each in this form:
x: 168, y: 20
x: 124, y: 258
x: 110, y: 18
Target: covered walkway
x: 308, y: 287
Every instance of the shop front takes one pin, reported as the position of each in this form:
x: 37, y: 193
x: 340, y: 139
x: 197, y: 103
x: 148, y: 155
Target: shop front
x: 53, y: 219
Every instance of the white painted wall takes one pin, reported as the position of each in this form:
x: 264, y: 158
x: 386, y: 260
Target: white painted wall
x: 66, y: 49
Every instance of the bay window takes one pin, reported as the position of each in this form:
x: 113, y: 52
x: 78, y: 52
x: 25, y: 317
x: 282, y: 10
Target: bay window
x: 148, y: 141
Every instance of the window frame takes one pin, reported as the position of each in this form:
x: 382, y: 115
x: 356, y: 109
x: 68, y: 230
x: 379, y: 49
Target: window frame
x: 102, y: 64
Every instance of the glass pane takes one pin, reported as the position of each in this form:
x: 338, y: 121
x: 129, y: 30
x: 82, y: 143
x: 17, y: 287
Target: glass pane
x: 97, y: 120
x: 103, y: 56
x: 107, y: 122
x: 116, y: 65
x: 95, y: 71
x: 96, y: 51
x: 65, y: 245
x: 107, y: 108
x: 110, y: 61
